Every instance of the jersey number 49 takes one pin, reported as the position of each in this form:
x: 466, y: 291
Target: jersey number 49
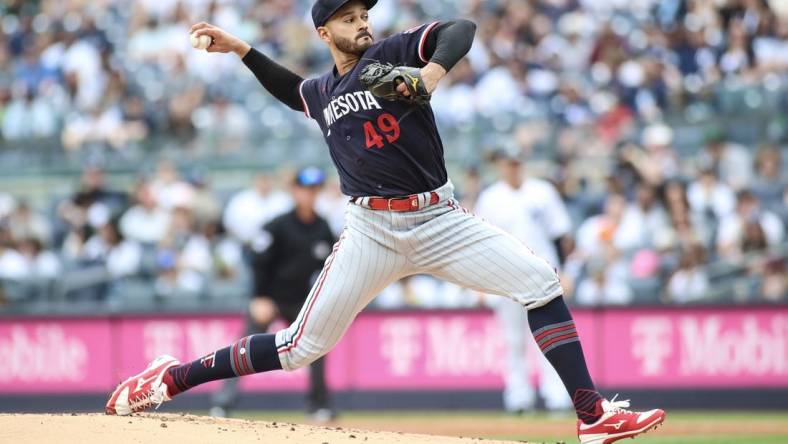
x: 387, y: 124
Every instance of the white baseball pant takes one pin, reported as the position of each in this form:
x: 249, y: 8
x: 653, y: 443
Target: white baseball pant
x: 377, y: 248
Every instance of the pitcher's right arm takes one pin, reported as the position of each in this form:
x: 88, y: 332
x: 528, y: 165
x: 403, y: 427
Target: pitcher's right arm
x: 278, y: 80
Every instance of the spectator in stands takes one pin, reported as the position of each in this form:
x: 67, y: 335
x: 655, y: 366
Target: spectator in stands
x: 770, y: 46
x: 226, y: 124
x: 93, y: 188
x: 599, y: 246
x: 24, y: 223
x: 603, y: 285
x: 774, y: 286
x: 82, y: 67
x: 642, y: 219
x: 146, y: 222
x: 205, y: 207
x: 690, y: 282
x: 709, y: 197
x: 657, y: 162
x: 168, y: 189
x: 750, y: 228
x: 250, y: 209
x: 227, y: 255
x: 41, y: 264
x: 86, y: 210
x: 731, y: 162
x: 770, y: 181
x: 12, y: 263
x: 7, y: 205
x: 28, y: 116
x: 183, y: 257
x: 121, y: 257
x: 599, y: 235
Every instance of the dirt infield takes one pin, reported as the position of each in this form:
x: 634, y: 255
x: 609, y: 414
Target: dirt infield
x: 173, y: 429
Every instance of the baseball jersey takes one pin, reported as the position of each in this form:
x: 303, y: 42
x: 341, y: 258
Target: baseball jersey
x: 380, y: 148
x: 534, y: 214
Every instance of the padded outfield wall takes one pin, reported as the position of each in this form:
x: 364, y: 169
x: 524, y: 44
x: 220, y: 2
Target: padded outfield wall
x: 700, y: 357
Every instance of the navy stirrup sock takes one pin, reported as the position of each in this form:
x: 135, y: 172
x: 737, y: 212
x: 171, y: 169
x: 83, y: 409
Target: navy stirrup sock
x: 555, y: 333
x: 252, y: 354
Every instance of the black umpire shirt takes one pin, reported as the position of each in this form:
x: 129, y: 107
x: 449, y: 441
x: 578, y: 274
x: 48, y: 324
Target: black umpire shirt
x: 288, y: 256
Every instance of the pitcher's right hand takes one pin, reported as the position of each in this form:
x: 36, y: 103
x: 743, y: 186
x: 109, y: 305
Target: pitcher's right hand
x: 223, y: 41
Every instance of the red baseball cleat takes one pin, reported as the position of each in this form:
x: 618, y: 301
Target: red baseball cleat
x: 142, y: 390
x: 617, y: 423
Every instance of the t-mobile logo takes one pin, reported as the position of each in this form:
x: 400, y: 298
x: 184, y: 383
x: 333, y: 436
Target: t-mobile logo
x: 401, y: 344
x: 652, y: 343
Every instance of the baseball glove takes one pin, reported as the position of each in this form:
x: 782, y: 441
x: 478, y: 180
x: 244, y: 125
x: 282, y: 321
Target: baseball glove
x: 382, y: 80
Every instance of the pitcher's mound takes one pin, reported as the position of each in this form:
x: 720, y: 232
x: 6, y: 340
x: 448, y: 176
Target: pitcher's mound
x: 174, y: 429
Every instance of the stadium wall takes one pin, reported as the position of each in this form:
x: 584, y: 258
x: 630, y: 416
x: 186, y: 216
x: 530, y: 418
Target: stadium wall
x: 700, y: 357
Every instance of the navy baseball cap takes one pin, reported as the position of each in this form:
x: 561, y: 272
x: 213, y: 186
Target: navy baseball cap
x: 310, y: 177
x: 322, y: 10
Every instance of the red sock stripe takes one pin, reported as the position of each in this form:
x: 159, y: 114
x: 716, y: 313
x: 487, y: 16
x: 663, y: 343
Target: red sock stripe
x: 242, y: 344
x: 234, y: 356
x: 556, y: 339
x: 583, y: 395
x: 585, y: 402
x: 553, y: 331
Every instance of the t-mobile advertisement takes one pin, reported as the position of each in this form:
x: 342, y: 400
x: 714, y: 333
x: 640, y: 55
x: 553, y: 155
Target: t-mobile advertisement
x: 638, y: 348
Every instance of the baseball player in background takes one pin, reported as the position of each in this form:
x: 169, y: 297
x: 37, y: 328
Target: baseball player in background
x: 402, y: 218
x: 532, y: 211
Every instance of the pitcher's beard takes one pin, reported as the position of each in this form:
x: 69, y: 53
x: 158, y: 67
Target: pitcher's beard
x: 356, y: 46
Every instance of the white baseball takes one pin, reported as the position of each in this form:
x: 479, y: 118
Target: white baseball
x: 201, y: 42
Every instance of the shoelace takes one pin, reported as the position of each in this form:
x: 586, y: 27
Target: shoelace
x: 617, y: 406
x: 145, y: 400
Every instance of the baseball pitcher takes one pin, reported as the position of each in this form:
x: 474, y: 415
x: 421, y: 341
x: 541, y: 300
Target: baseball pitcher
x: 373, y: 110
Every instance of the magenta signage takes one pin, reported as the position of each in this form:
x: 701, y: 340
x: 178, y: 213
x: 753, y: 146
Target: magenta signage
x: 412, y: 350
x: 695, y: 348
x: 55, y: 356
x: 434, y: 350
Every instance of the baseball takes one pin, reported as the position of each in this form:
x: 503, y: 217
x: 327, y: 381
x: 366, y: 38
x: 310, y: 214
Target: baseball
x: 201, y: 42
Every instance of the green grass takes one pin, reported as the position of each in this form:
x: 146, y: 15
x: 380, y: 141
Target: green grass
x: 692, y: 427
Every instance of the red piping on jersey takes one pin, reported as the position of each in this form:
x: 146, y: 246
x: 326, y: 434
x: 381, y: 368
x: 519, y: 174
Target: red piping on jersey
x: 312, y: 302
x: 301, y: 93
x: 424, y: 39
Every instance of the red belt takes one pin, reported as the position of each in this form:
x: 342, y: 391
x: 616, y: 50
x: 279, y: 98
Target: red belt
x: 409, y: 203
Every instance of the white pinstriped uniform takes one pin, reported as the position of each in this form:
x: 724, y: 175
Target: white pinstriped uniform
x: 377, y: 248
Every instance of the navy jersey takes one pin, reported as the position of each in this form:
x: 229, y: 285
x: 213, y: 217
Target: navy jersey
x: 380, y: 147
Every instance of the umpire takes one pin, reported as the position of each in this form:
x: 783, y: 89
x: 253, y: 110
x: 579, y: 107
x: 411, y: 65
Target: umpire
x: 287, y: 257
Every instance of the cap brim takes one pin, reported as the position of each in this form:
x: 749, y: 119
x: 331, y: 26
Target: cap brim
x: 368, y: 3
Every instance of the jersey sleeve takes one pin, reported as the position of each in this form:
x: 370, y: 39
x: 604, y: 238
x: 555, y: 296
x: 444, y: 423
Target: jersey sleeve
x: 408, y: 47
x: 308, y: 90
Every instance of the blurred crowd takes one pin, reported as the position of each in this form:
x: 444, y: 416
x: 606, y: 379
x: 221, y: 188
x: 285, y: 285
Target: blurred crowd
x: 111, y: 73
x: 167, y: 238
x: 650, y: 234
x: 655, y: 217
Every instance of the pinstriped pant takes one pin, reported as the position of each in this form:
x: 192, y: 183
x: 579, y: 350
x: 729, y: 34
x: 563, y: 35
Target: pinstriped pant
x: 378, y: 248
